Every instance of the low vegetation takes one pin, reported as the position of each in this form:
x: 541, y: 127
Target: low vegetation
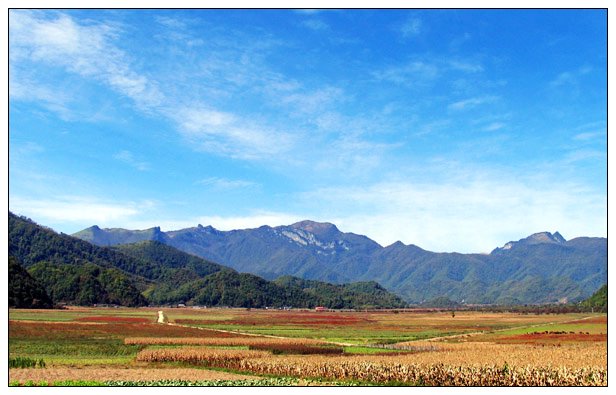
x: 20, y: 362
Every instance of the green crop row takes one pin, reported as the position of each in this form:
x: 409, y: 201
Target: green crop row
x: 21, y: 362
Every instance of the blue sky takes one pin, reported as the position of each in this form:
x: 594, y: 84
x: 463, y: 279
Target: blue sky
x: 455, y: 130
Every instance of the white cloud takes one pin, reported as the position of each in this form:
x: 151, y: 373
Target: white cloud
x: 583, y: 155
x: 563, y: 79
x: 81, y: 49
x: 309, y: 11
x: 589, y: 135
x: 80, y: 209
x: 170, y: 22
x: 26, y: 149
x: 465, y: 66
x: 473, y: 213
x: 226, y: 134
x: 410, y: 74
x: 571, y: 77
x: 471, y: 103
x: 315, y: 24
x: 494, y: 126
x: 195, y: 119
x: 433, y: 127
x: 225, y: 184
x: 22, y: 89
x: 314, y: 101
x: 352, y: 154
x: 411, y: 28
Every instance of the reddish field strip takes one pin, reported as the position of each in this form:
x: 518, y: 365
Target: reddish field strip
x: 55, y: 330
x: 593, y: 320
x: 553, y: 338
x: 288, y: 319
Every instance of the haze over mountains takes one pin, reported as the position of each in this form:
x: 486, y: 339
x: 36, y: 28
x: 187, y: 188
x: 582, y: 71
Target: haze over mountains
x: 542, y: 268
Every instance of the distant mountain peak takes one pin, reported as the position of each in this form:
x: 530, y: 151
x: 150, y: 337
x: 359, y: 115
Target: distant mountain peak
x: 559, y: 237
x: 316, y: 228
x: 397, y: 244
x: 545, y: 237
x: 534, y: 239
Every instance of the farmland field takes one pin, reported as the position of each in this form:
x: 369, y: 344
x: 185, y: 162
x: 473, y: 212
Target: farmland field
x: 116, y: 346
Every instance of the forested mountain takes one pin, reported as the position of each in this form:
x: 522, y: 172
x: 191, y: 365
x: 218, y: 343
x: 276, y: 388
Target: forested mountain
x: 542, y: 268
x: 598, y: 300
x: 73, y: 271
x: 24, y: 291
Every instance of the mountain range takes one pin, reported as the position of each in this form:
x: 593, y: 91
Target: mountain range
x: 541, y: 268
x: 48, y: 268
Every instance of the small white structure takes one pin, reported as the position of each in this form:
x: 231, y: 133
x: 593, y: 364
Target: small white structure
x: 161, y: 318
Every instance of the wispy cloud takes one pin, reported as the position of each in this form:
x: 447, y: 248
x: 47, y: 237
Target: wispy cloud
x: 170, y: 22
x: 23, y: 89
x: 315, y: 24
x: 82, y: 209
x: 312, y: 101
x: 432, y: 127
x: 88, y: 50
x: 471, y: 102
x: 588, y: 136
x: 128, y: 158
x: 466, y: 66
x: 85, y: 50
x: 411, y: 74
x: 494, y: 126
x: 411, y: 27
x: 563, y: 79
x: 424, y: 71
x: 309, y: 11
x: 570, y: 77
x: 580, y: 155
x: 226, y: 184
x: 226, y: 134
x: 459, y: 40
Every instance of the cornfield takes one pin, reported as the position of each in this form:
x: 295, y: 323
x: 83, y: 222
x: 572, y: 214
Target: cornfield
x: 207, y: 357
x: 383, y: 369
x: 431, y: 375
x: 301, y: 349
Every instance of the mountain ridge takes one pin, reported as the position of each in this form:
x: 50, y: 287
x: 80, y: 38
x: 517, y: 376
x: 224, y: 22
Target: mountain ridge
x: 74, y: 271
x: 561, y: 269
